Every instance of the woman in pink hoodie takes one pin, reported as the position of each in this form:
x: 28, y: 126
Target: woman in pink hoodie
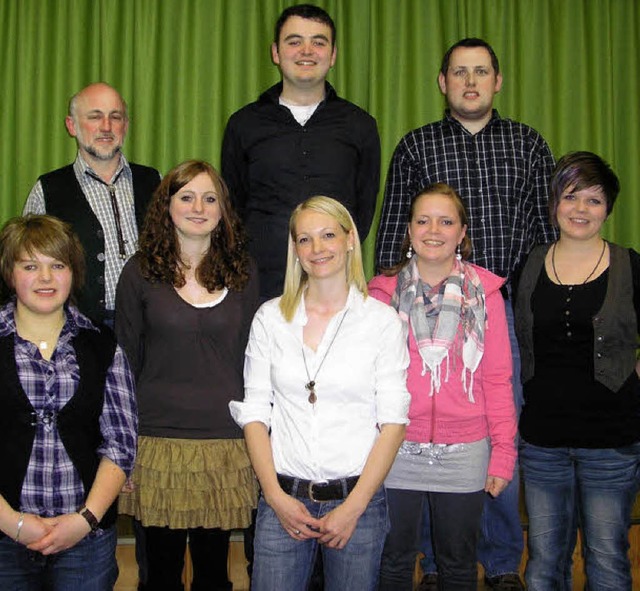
x: 459, y: 444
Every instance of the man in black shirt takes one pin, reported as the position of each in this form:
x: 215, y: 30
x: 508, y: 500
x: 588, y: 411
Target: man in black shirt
x: 297, y: 140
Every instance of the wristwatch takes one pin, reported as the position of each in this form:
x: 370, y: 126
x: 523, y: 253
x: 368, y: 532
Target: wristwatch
x: 90, y: 517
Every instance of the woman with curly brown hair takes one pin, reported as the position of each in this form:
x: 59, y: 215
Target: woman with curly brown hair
x: 184, y: 306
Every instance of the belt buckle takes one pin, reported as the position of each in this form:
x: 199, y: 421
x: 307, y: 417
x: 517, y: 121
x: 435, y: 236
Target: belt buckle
x: 312, y: 483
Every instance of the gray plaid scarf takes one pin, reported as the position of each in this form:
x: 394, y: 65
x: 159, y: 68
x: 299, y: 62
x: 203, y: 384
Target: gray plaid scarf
x: 448, y: 317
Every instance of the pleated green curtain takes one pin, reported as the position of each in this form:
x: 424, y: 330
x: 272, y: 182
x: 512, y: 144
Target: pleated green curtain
x: 571, y: 70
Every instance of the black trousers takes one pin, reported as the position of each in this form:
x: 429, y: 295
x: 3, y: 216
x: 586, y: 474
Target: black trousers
x: 209, y: 549
x: 455, y: 528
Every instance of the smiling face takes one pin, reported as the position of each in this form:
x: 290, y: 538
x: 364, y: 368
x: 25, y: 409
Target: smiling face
x: 470, y: 85
x: 304, y: 53
x: 435, y: 230
x: 42, y: 283
x: 194, y: 209
x: 99, y: 123
x: 322, y: 245
x: 580, y: 214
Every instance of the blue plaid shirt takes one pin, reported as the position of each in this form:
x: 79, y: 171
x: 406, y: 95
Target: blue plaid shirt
x: 52, y: 485
x: 502, y: 174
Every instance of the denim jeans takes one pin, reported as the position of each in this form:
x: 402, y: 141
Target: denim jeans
x: 280, y: 562
x: 456, y: 526
x: 501, y: 541
x: 89, y: 566
x: 599, y: 485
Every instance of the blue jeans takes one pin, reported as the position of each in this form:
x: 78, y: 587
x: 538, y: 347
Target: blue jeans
x: 89, y: 566
x: 280, y: 562
x: 501, y: 541
x: 456, y: 527
x: 599, y: 485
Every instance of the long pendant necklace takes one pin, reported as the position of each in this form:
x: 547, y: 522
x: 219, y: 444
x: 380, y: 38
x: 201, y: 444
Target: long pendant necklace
x: 310, y: 386
x: 553, y: 262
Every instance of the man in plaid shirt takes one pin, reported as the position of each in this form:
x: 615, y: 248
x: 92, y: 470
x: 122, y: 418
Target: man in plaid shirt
x: 102, y: 195
x: 501, y: 169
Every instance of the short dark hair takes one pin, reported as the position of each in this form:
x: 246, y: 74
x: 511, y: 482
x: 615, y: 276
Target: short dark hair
x: 308, y: 11
x: 582, y: 170
x: 469, y: 42
x: 48, y: 236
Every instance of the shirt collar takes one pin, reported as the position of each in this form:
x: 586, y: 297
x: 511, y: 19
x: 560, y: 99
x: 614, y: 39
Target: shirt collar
x: 82, y: 169
x: 451, y: 120
x: 273, y: 94
x: 75, y: 320
x: 7, y: 321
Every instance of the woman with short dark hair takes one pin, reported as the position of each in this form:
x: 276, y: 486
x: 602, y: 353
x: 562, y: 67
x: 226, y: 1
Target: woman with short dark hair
x: 577, y: 322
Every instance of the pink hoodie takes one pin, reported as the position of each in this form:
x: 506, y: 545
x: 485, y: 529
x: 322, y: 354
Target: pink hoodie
x: 448, y: 416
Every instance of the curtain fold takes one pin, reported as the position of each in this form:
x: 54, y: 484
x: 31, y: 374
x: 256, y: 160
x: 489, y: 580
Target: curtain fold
x: 570, y: 70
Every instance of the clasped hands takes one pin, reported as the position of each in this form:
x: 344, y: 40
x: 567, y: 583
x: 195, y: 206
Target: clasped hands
x: 333, y: 529
x: 49, y: 535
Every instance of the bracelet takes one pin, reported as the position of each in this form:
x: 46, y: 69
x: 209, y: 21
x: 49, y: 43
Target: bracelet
x: 20, y: 524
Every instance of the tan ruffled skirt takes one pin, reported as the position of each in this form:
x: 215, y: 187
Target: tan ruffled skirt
x: 185, y: 483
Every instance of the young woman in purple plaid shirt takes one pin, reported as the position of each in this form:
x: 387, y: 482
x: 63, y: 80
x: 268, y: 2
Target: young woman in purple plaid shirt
x: 68, y: 421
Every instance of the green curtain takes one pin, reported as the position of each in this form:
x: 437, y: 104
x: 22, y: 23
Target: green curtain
x: 570, y: 70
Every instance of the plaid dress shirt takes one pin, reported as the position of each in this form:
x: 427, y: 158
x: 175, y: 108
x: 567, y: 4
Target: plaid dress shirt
x: 52, y: 485
x: 502, y: 174
x: 97, y: 193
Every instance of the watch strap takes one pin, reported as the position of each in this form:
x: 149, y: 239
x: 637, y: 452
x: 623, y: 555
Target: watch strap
x: 90, y: 517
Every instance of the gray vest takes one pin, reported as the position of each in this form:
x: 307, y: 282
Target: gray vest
x: 615, y: 329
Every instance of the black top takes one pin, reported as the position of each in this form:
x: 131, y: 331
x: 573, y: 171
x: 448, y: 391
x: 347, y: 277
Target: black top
x: 272, y: 163
x: 187, y: 361
x: 564, y: 405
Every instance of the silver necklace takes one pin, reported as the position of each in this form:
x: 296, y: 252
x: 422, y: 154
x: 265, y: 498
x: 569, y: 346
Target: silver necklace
x: 310, y: 386
x: 553, y: 262
x: 43, y: 343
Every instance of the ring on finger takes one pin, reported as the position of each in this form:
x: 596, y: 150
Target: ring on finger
x: 296, y: 531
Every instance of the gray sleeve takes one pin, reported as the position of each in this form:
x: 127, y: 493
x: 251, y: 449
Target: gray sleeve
x: 35, y: 201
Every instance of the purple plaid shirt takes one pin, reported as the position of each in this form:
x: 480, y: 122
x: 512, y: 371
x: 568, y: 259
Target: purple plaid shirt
x: 52, y: 485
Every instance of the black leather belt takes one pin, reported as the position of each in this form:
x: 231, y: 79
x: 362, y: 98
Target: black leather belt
x: 318, y: 491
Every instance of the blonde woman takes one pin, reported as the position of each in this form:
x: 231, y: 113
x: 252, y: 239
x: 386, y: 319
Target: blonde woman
x: 324, y: 411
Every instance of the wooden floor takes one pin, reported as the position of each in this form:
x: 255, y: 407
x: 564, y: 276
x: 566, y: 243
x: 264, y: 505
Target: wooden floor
x: 128, y: 571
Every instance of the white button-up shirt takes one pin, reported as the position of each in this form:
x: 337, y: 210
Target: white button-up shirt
x: 360, y: 385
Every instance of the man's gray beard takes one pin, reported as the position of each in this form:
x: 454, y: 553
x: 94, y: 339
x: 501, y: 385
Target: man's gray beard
x: 98, y: 156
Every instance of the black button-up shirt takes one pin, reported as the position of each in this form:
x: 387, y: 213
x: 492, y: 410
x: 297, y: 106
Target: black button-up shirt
x: 271, y: 163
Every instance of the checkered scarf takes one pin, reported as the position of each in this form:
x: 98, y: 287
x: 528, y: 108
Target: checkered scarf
x: 450, y: 316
